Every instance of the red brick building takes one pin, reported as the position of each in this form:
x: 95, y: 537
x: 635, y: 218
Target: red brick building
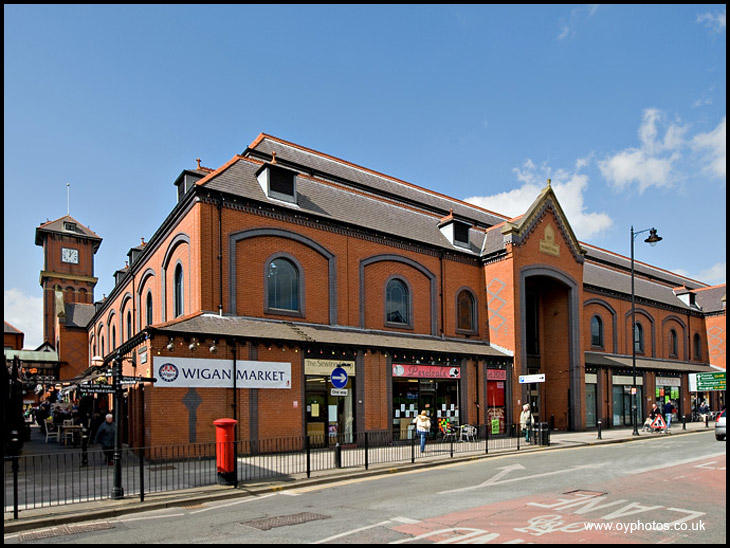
x: 299, y: 293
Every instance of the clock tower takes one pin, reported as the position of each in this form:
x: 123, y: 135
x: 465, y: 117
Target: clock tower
x: 68, y: 266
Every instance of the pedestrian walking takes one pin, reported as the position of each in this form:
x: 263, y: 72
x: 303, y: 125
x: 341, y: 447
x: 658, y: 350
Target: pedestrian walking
x: 526, y: 421
x: 423, y: 427
x: 106, y: 436
x: 668, y: 410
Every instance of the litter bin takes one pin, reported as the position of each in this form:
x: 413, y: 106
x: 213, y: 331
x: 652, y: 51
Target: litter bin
x: 225, y: 458
x: 543, y: 433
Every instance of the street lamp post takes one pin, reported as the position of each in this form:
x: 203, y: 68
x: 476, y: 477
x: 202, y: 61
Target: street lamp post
x: 652, y: 239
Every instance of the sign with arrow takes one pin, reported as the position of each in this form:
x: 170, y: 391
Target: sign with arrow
x: 338, y: 377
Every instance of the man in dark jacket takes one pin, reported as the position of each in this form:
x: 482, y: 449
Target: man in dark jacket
x: 106, y: 436
x: 668, y: 410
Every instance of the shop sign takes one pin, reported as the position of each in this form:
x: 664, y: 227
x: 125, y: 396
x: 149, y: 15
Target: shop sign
x: 426, y: 371
x: 707, y: 382
x: 324, y: 367
x: 201, y: 373
x: 668, y: 381
x: 496, y: 375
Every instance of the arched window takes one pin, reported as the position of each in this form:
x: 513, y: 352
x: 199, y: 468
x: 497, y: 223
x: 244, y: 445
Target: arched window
x: 596, y: 331
x: 697, y: 347
x: 114, y: 338
x: 465, y: 312
x: 282, y: 278
x: 639, y: 338
x: 672, y: 342
x: 397, y: 305
x: 178, y: 297
x: 129, y: 324
x: 149, y: 308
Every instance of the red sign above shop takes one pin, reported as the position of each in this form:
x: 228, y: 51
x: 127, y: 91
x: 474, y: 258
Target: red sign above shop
x: 426, y: 371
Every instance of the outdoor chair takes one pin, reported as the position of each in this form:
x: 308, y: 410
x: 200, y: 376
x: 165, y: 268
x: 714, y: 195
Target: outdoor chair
x: 68, y: 434
x: 468, y: 433
x: 51, y: 430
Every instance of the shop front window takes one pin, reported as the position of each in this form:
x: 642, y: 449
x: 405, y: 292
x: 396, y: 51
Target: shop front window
x: 430, y: 388
x: 330, y: 411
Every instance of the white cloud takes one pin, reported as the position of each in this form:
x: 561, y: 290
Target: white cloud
x: 715, y: 275
x: 26, y: 314
x: 576, y: 19
x: 569, y: 187
x: 656, y: 162
x: 715, y: 22
x: 652, y: 163
x: 712, y: 146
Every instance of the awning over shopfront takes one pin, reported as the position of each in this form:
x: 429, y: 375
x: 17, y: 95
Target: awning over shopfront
x: 210, y: 325
x: 35, y: 366
x: 625, y: 362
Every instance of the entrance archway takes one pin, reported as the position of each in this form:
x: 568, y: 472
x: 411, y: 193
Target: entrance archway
x: 550, y: 344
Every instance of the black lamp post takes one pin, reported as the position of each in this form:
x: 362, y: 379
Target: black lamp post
x: 652, y: 239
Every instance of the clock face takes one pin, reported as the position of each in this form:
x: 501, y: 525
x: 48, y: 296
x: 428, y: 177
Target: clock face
x: 70, y: 255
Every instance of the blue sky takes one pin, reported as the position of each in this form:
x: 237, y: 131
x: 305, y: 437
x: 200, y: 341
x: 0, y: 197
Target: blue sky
x: 623, y: 107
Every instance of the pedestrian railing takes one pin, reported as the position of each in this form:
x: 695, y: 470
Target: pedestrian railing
x: 38, y: 481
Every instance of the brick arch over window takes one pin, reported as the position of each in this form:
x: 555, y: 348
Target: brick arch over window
x: 413, y: 264
x: 124, y: 309
x: 681, y: 339
x: 141, y: 297
x: 236, y: 237
x: 614, y: 319
x: 640, y: 313
x: 177, y: 241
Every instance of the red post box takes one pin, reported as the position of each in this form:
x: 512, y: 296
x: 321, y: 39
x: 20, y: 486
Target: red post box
x: 225, y: 435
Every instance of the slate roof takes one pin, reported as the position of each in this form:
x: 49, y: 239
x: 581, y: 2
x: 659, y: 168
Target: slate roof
x: 59, y: 227
x: 79, y: 314
x: 351, y: 195
x: 711, y: 299
x: 273, y: 330
x: 11, y: 329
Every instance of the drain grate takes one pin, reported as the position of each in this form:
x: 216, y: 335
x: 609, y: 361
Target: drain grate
x: 64, y: 530
x: 282, y: 521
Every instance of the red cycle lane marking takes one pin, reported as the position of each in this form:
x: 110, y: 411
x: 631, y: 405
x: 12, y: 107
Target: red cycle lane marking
x: 628, y: 512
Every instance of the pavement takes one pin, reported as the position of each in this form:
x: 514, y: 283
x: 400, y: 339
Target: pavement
x: 105, y: 509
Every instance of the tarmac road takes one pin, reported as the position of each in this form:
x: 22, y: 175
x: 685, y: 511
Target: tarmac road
x: 653, y: 490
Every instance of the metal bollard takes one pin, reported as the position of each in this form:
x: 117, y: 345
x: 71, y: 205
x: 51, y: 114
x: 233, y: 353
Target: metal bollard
x: 684, y: 422
x: 599, y: 430
x: 84, y: 446
x: 338, y: 455
x: 707, y: 421
x: 367, y: 447
x: 15, y: 449
x: 308, y: 451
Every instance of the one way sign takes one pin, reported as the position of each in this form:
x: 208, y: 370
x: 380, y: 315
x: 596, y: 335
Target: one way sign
x: 338, y: 377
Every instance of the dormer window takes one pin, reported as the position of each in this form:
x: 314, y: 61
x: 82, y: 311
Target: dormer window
x: 457, y: 232
x: 461, y: 234
x: 278, y: 183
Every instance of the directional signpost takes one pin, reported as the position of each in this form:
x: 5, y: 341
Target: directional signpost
x: 707, y: 382
x: 529, y: 379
